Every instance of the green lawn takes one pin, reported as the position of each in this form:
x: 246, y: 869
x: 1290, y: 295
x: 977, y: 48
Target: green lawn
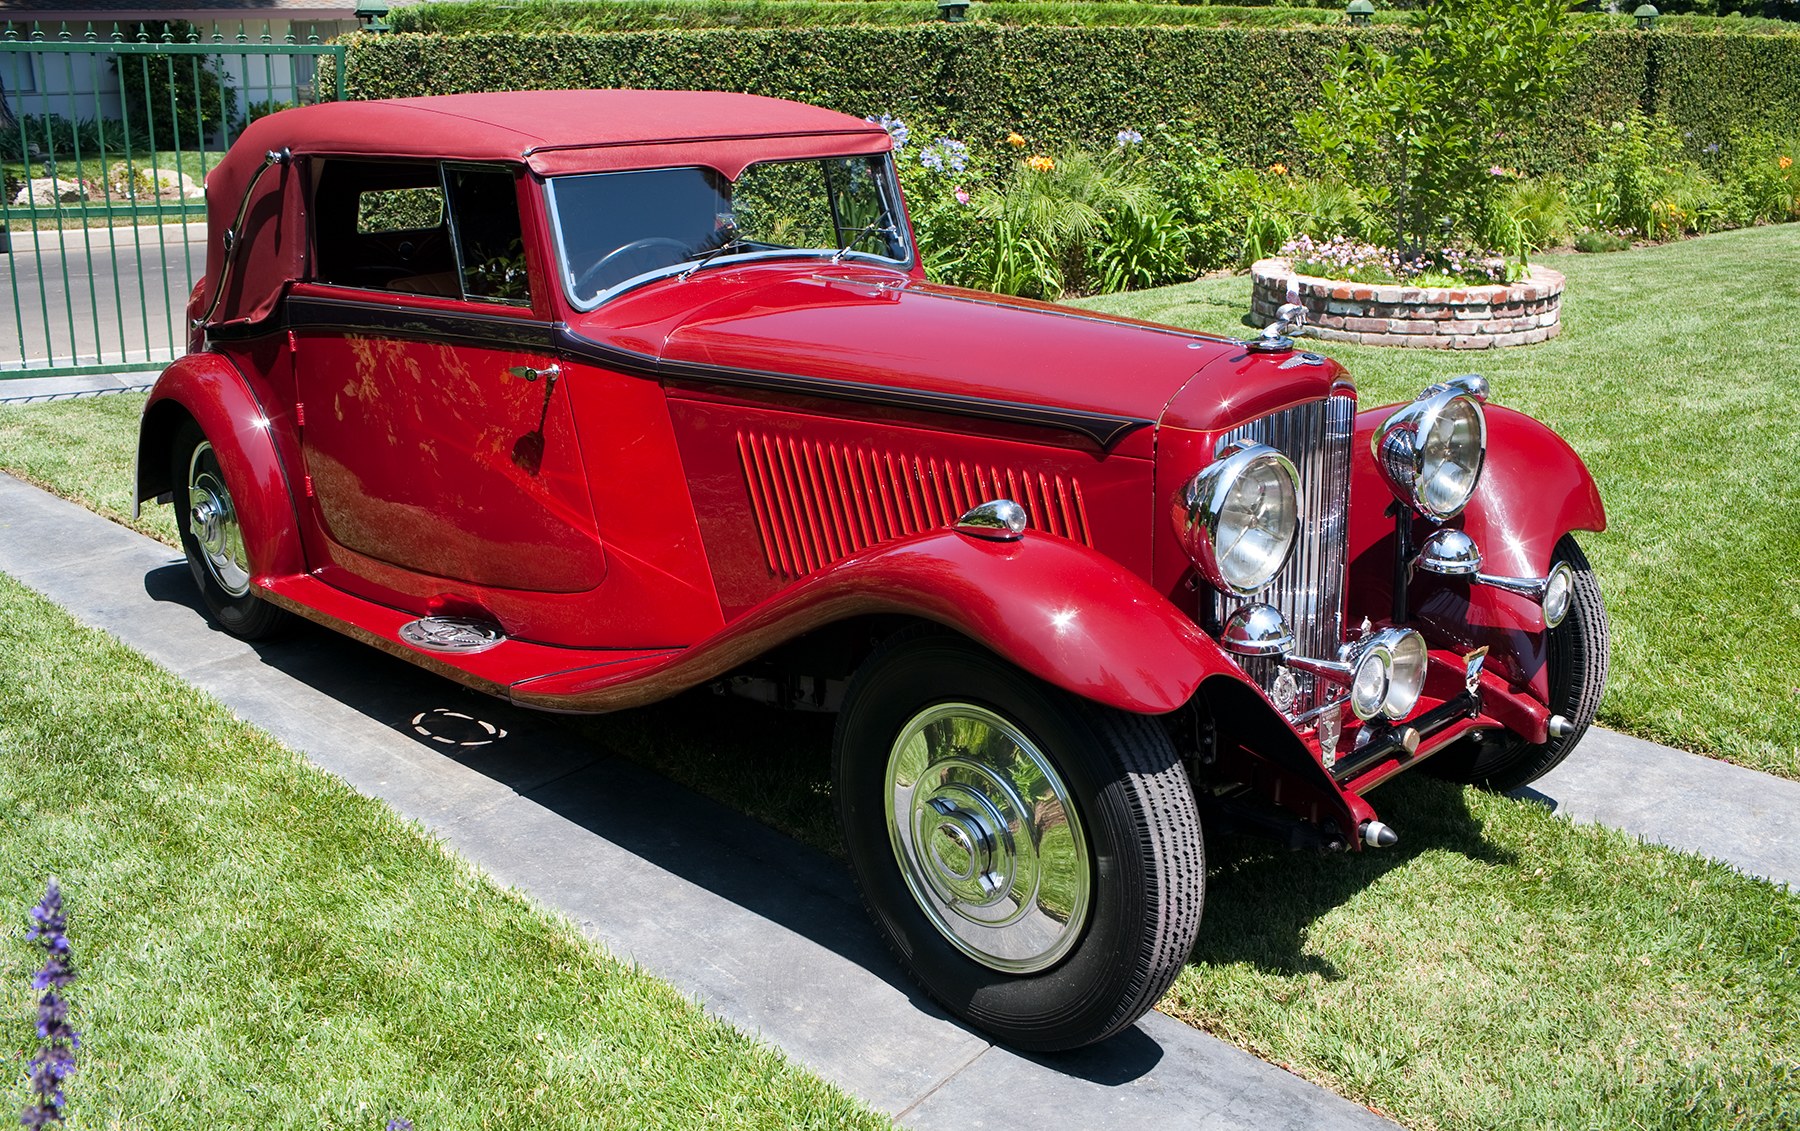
x: 1500, y: 967
x: 1674, y: 378
x: 259, y: 946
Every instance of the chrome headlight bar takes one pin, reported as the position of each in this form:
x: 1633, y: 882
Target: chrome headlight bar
x: 1384, y: 671
x: 1452, y: 553
x: 1430, y: 452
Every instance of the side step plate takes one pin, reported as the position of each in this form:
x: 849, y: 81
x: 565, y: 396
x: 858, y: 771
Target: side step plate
x: 456, y: 635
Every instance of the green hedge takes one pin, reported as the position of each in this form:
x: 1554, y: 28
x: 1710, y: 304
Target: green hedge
x: 466, y: 17
x: 1242, y: 86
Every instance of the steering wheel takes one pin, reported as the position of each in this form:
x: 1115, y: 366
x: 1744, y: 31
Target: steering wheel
x: 639, y: 248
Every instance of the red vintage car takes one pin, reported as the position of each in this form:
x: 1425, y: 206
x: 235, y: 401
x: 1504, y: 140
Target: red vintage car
x: 585, y: 398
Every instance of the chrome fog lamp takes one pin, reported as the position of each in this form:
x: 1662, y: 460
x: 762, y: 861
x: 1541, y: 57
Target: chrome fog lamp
x: 1387, y: 673
x: 1559, y: 594
x: 1237, y: 519
x: 1406, y: 675
x: 1430, y: 452
x: 1450, y: 553
x: 1257, y: 630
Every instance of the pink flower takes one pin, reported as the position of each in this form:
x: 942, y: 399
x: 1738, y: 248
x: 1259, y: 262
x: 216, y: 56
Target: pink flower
x: 962, y: 195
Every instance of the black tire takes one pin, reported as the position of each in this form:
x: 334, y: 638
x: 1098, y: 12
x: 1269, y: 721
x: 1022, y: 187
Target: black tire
x: 1577, y: 657
x: 1109, y: 796
x: 214, y: 545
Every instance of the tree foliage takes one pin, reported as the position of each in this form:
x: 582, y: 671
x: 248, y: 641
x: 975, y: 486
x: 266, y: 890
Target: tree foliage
x: 1420, y: 129
x: 178, y: 99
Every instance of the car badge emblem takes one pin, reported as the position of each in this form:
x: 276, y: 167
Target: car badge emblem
x: 1331, y: 728
x: 1300, y: 359
x: 1286, y: 692
x: 451, y: 634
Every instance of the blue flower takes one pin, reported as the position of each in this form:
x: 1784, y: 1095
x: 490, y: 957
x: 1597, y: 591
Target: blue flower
x: 895, y: 128
x: 1128, y: 138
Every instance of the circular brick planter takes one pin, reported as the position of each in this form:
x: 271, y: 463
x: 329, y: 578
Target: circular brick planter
x: 1461, y: 318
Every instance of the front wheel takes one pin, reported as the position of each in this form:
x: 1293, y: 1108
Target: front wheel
x: 213, y: 539
x: 1034, y: 860
x: 1577, y: 654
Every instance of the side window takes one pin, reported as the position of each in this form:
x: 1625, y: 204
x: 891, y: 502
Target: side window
x: 420, y: 228
x: 484, y: 207
x: 382, y: 225
x: 399, y: 210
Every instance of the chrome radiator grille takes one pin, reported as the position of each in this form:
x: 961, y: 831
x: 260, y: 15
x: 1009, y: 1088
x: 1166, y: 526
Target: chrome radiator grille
x: 1309, y: 590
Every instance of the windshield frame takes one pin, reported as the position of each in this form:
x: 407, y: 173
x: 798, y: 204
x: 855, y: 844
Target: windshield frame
x: 887, y: 183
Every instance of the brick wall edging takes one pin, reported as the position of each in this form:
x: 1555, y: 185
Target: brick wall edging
x: 1467, y: 317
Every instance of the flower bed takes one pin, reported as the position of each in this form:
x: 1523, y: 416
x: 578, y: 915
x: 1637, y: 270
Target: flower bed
x: 1393, y: 314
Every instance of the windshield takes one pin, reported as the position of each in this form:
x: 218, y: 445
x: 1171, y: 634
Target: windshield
x: 617, y: 229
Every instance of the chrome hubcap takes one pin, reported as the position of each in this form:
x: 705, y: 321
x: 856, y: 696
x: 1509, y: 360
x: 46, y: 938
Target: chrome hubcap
x: 987, y: 838
x: 213, y: 521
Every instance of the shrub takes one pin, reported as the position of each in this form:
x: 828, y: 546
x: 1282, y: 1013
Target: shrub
x: 177, y: 100
x: 1418, y: 128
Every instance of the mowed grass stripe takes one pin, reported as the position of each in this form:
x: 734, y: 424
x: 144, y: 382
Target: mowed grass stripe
x: 1674, y: 379
x: 260, y: 946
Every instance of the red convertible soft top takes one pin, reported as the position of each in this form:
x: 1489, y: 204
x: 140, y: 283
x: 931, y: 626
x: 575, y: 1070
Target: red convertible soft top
x: 551, y: 131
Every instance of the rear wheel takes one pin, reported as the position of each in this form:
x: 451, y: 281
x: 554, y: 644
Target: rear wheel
x: 213, y: 539
x: 1033, y: 859
x: 1577, y: 658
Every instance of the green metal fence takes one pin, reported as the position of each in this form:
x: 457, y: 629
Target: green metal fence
x: 105, y: 143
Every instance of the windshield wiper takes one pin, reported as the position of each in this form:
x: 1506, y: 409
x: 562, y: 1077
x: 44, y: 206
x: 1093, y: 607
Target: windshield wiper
x: 870, y: 229
x: 730, y: 242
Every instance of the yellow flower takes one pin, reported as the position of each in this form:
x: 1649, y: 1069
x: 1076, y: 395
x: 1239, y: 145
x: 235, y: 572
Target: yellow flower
x: 1040, y: 164
x: 1278, y: 169
x: 1785, y: 161
x: 1016, y: 141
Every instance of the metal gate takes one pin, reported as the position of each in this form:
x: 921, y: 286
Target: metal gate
x: 105, y: 143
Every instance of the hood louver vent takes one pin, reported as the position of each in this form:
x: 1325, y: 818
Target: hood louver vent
x: 818, y: 503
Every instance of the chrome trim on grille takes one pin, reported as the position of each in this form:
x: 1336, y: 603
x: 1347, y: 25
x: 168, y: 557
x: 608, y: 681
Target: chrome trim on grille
x: 1309, y: 591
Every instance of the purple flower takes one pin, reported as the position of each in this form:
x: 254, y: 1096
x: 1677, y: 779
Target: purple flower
x: 46, y: 1071
x: 1128, y: 138
x: 399, y: 1124
x: 1710, y: 147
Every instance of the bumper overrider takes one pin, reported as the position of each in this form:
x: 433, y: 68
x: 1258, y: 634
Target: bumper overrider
x: 1240, y: 521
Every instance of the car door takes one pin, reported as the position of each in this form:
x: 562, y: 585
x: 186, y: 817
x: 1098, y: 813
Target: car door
x: 435, y: 428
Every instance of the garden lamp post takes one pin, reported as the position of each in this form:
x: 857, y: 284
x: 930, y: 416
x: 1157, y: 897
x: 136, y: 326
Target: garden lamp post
x: 372, y: 14
x: 953, y: 11
x: 1646, y: 16
x: 1360, y: 12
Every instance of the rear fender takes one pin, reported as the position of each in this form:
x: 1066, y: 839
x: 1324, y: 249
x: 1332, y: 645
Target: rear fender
x: 1534, y: 489
x: 210, y: 391
x: 1060, y: 611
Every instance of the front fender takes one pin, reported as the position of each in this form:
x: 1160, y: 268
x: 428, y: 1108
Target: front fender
x: 1061, y: 611
x: 209, y: 390
x: 1534, y: 489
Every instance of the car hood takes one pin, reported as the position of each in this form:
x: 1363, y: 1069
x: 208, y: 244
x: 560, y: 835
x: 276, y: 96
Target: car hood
x: 861, y: 330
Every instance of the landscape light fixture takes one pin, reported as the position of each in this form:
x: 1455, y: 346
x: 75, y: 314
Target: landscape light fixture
x: 1646, y: 16
x: 953, y: 11
x: 1360, y: 12
x: 372, y: 14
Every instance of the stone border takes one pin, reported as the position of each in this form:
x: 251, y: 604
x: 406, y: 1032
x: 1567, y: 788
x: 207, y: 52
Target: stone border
x: 1462, y: 318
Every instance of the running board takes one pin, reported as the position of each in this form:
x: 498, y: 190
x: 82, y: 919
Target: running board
x: 470, y: 652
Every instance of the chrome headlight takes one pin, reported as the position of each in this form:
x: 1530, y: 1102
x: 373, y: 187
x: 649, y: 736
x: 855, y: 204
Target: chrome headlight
x: 1431, y: 451
x: 1237, y: 519
x: 1387, y: 673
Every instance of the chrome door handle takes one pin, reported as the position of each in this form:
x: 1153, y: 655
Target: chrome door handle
x: 530, y: 374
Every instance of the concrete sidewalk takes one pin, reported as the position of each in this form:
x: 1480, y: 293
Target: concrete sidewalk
x: 761, y: 930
